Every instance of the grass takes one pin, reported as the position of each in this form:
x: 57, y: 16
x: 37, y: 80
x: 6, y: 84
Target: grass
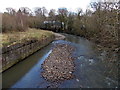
x: 19, y: 37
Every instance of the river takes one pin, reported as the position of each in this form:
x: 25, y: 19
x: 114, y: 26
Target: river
x: 89, y: 68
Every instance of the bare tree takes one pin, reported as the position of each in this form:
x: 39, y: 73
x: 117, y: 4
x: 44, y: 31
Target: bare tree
x: 52, y: 14
x: 62, y: 15
x: 11, y: 11
x: 26, y: 11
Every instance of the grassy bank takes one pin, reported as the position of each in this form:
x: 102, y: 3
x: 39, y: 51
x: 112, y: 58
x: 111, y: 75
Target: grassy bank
x: 18, y: 45
x: 21, y: 37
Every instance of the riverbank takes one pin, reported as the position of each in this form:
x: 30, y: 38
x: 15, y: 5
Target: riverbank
x: 19, y: 45
x: 59, y: 65
x: 59, y: 36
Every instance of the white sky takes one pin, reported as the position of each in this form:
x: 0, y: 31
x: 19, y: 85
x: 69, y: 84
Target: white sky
x: 49, y: 4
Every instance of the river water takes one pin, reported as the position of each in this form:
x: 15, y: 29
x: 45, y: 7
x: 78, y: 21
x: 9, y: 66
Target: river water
x: 89, y: 68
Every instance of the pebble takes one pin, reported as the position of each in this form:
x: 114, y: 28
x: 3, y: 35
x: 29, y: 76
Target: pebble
x: 77, y: 80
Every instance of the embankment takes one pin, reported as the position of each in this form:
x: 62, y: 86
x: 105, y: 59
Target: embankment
x: 17, y: 51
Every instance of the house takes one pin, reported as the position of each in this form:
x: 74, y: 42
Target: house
x: 53, y: 25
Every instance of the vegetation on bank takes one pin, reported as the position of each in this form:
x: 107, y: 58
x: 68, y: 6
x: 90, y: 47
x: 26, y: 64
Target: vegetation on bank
x: 20, y: 37
x: 98, y: 23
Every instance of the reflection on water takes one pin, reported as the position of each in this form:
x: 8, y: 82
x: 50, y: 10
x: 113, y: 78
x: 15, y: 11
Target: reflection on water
x: 89, y: 71
x: 27, y: 71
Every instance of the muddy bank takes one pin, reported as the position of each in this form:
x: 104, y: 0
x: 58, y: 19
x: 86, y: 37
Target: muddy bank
x: 59, y: 65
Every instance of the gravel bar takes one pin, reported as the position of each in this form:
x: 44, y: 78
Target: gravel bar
x: 59, y: 65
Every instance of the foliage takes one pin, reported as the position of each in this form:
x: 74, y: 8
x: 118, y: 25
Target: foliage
x: 98, y: 24
x: 19, y: 37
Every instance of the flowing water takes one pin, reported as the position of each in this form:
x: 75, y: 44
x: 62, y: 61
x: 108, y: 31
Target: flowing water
x: 89, y: 68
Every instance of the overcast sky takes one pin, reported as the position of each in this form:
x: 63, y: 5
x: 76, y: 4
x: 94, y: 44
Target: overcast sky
x: 49, y: 4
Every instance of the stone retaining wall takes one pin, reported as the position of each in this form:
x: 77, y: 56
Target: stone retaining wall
x: 17, y: 52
